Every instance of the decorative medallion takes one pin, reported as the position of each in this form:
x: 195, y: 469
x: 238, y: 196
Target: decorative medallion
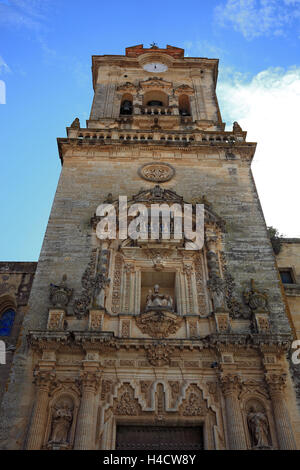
x: 157, y: 172
x: 60, y: 295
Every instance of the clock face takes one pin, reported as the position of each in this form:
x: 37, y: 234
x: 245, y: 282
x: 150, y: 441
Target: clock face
x: 155, y: 67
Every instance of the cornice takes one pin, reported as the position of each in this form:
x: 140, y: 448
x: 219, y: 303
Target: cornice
x: 40, y: 340
x: 245, y: 149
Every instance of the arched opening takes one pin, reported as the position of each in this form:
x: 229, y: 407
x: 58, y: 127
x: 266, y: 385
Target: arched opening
x: 184, y: 105
x: 156, y: 98
x: 6, y: 322
x: 126, y: 104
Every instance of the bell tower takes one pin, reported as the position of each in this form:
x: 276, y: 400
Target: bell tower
x: 154, y: 340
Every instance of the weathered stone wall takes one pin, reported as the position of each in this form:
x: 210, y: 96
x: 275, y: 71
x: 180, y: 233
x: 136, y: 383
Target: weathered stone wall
x: 16, y: 281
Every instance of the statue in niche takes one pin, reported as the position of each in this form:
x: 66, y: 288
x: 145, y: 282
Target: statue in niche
x: 101, y: 282
x: 258, y: 428
x: 216, y: 286
x: 61, y: 421
x: 155, y: 299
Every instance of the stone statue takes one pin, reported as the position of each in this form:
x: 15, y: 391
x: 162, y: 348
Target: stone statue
x: 258, y: 428
x: 76, y: 124
x: 155, y: 299
x: 216, y: 286
x: 61, y: 422
x: 237, y: 128
x: 101, y: 283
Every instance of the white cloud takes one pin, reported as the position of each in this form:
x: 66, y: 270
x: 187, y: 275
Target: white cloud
x: 202, y: 48
x: 268, y: 108
x: 254, y: 18
x: 3, y: 66
x: 26, y: 13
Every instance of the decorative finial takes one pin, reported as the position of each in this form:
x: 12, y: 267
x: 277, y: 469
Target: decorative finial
x: 153, y: 45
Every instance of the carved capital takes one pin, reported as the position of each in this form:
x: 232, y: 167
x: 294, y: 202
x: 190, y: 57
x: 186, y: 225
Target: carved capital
x: 276, y: 382
x: 89, y: 380
x: 44, y: 379
x: 230, y: 384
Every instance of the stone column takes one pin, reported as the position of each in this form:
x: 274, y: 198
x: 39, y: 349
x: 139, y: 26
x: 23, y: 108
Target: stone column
x: 236, y: 435
x: 86, y: 420
x: 38, y: 423
x: 276, y: 384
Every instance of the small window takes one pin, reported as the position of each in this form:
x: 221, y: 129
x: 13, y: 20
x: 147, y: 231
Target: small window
x: 6, y: 322
x: 286, y: 276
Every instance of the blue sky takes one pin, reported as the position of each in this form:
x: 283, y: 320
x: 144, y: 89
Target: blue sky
x: 45, y: 64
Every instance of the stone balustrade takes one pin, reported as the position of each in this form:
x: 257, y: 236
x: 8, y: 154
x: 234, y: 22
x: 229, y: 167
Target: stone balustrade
x: 106, y: 136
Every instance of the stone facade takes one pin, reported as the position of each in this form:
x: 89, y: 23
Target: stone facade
x: 208, y: 348
x: 15, y: 286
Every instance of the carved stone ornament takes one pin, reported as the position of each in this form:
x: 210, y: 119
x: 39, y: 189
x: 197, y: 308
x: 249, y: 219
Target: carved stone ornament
x: 88, y: 282
x: 159, y: 354
x: 256, y: 299
x: 157, y: 194
x: 55, y: 319
x: 127, y: 87
x: 158, y: 322
x: 157, y: 172
x: 60, y: 295
x: 126, y: 404
x: 184, y: 89
x: 194, y: 404
x: 155, y: 82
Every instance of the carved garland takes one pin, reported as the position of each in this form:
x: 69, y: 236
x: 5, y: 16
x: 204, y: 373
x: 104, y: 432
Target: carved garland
x: 116, y: 291
x: 88, y: 283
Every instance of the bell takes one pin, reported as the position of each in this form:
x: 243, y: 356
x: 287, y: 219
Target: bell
x: 126, y: 107
x: 154, y: 103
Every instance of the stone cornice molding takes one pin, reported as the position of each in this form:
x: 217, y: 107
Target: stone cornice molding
x: 245, y: 150
x: 102, y: 341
